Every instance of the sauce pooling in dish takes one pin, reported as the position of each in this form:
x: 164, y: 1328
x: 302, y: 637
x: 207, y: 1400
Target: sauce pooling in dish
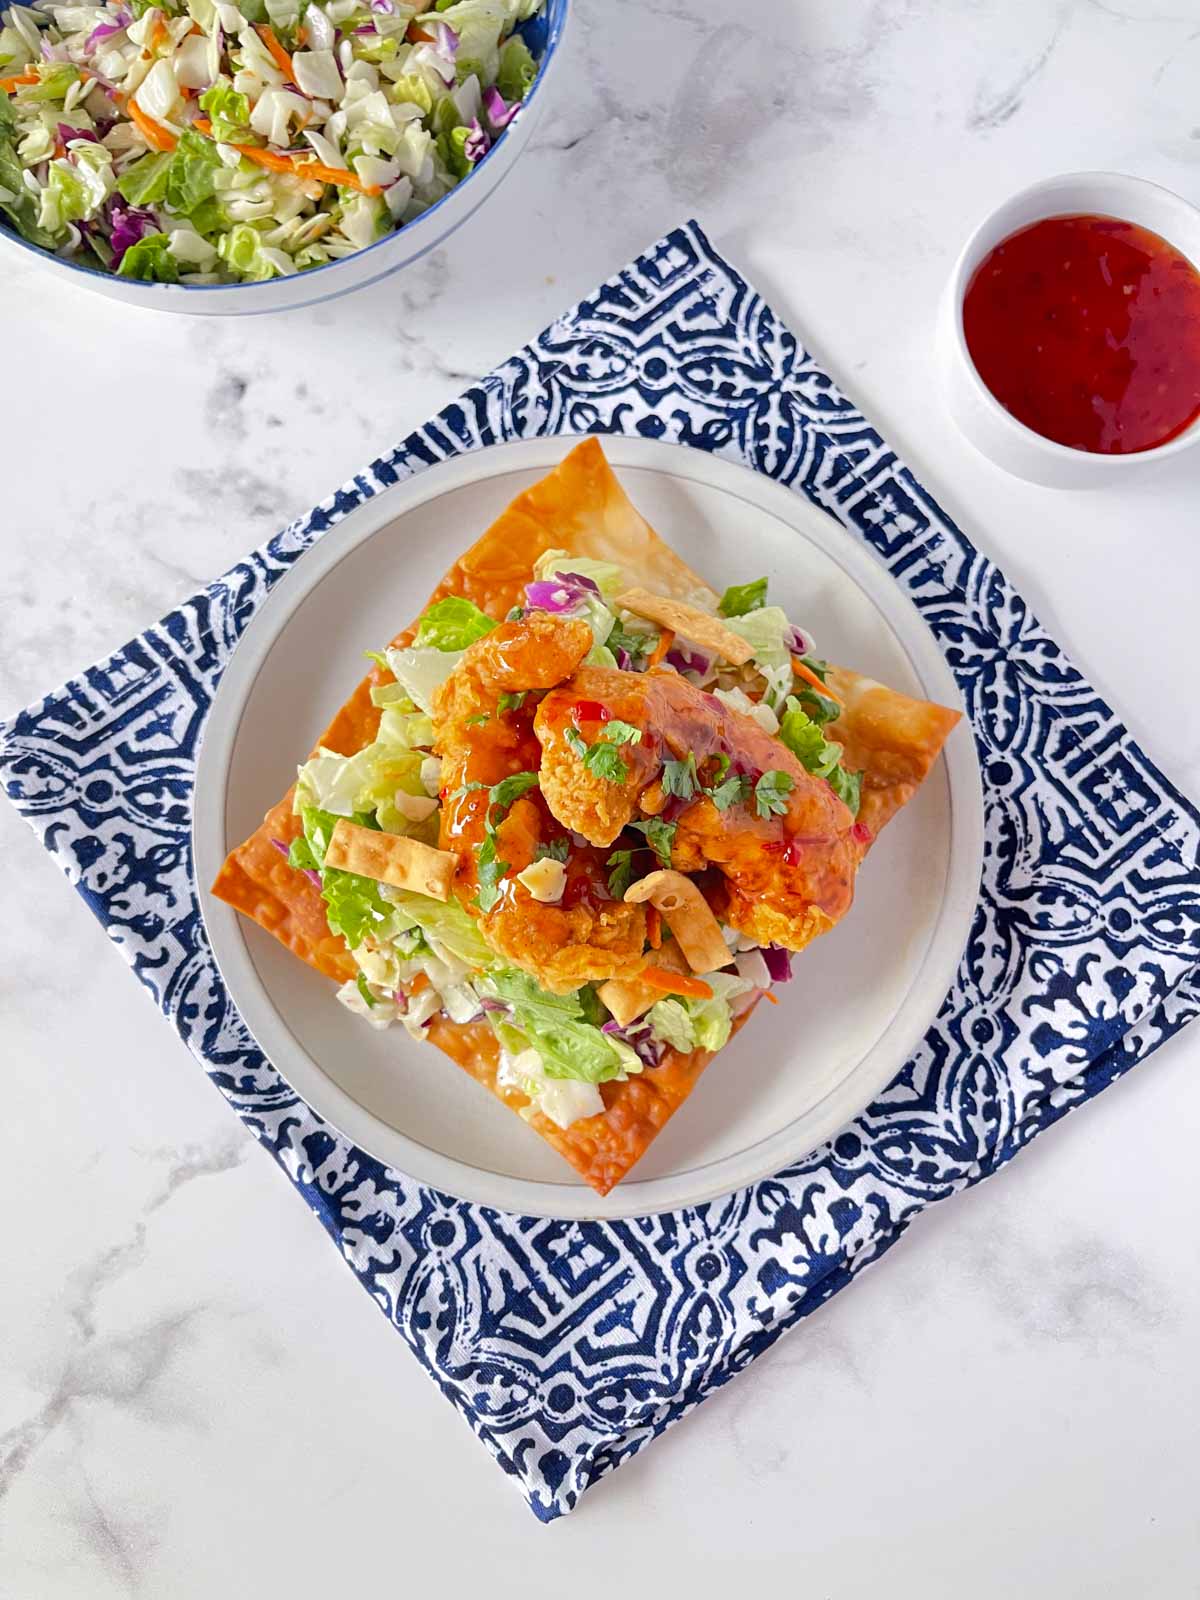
x: 1088, y: 330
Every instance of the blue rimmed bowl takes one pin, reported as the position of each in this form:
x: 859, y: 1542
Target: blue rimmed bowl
x: 543, y: 34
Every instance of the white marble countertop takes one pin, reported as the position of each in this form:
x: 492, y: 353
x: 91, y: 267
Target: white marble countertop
x: 196, y: 1399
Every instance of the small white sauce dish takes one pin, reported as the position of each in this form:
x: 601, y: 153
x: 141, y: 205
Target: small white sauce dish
x: 986, y: 423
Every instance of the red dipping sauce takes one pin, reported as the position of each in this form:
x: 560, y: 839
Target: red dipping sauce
x: 1088, y: 330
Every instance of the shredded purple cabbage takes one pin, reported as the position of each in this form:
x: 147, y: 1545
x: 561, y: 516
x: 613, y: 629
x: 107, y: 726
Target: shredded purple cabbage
x: 624, y: 661
x: 66, y: 134
x: 106, y: 29
x: 684, y: 659
x: 639, y: 1036
x: 801, y: 644
x: 128, y: 224
x: 494, y: 1005
x: 779, y: 962
x: 445, y: 40
x: 561, y: 594
x: 477, y: 144
x: 498, y: 113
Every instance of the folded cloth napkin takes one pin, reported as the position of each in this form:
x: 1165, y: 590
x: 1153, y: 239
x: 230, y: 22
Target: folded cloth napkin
x: 568, y: 1346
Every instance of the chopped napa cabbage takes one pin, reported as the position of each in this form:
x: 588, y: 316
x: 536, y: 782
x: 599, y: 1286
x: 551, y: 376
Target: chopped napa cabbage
x: 228, y: 110
x: 145, y: 182
x: 741, y: 598
x: 606, y: 575
x: 75, y: 191
x: 806, y: 740
x: 447, y: 928
x: 421, y: 671
x: 191, y: 176
x: 516, y: 69
x: 354, y: 906
x: 768, y: 633
x: 151, y: 260
x: 453, y: 624
x: 554, y: 1025
x: 699, y: 1024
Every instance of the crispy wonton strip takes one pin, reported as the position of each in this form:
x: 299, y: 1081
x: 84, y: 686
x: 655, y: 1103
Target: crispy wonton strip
x: 391, y: 858
x: 688, y: 915
x: 698, y: 626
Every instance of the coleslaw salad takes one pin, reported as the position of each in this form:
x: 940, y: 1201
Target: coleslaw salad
x: 210, y: 146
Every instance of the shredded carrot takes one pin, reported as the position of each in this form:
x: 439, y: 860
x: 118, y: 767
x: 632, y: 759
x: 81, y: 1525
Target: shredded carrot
x: 810, y: 677
x: 60, y: 150
x: 9, y: 84
x: 675, y: 983
x: 665, y: 640
x: 271, y: 39
x: 298, y: 167
x: 301, y: 35
x: 195, y: 28
x: 157, y: 33
x: 421, y: 981
x: 654, y: 927
x: 265, y: 158
x: 767, y: 995
x: 417, y: 35
x: 339, y: 175
x: 155, y: 135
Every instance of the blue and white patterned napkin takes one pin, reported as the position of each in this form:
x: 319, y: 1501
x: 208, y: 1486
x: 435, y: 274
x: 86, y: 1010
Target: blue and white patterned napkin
x: 568, y: 1346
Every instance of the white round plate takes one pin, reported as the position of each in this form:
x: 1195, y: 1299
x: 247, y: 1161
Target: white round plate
x: 862, y: 996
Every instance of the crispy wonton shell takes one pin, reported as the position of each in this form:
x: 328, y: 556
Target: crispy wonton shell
x: 582, y: 508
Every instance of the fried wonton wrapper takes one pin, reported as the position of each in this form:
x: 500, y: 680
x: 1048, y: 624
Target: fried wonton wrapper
x: 580, y: 507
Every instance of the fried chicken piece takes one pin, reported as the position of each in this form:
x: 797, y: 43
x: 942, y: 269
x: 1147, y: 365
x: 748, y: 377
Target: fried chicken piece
x: 784, y: 879
x: 588, y: 936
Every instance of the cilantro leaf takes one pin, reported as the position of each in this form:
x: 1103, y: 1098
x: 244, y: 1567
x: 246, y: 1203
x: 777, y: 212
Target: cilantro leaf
x: 602, y: 758
x: 552, y: 850
x: 479, y: 719
x: 771, y: 792
x: 605, y: 762
x: 725, y: 791
x: 618, y: 732
x: 510, y: 702
x: 679, y: 777
x: 502, y: 795
x: 637, y: 645
x: 743, y: 597
x: 660, y: 836
x: 490, y: 870
x: 620, y: 876
x: 488, y: 865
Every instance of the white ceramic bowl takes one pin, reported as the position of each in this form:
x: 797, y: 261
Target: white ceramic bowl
x: 337, y: 278
x: 986, y: 423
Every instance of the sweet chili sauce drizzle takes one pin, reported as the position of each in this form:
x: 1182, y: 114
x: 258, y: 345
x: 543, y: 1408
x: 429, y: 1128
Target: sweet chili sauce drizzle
x: 1087, y: 329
